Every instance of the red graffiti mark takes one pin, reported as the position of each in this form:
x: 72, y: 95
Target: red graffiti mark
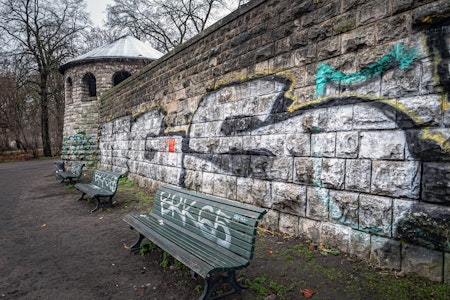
x: 172, y: 145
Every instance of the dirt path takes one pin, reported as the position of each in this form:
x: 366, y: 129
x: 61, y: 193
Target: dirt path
x: 51, y: 247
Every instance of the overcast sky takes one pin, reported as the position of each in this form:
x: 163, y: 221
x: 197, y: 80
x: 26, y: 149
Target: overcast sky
x: 97, y: 10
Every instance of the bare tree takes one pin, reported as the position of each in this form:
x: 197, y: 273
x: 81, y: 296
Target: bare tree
x: 17, y: 111
x: 166, y: 23
x: 42, y: 33
x: 98, y: 36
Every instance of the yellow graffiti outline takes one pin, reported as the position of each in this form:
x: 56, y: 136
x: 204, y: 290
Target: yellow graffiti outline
x: 426, y: 130
x: 244, y: 77
x: 289, y: 94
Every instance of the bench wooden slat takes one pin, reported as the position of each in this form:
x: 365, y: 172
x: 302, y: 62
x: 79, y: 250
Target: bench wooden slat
x: 242, y: 220
x: 251, y: 211
x: 195, y: 264
x: 208, y: 234
x: 209, y: 253
x: 194, y: 219
x: 242, y: 244
x: 205, y: 250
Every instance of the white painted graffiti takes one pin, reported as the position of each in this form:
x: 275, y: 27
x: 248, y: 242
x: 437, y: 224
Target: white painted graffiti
x: 105, y: 181
x: 180, y: 208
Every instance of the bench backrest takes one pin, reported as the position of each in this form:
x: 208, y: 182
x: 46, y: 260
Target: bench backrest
x: 229, y: 224
x: 76, y: 168
x: 106, y: 180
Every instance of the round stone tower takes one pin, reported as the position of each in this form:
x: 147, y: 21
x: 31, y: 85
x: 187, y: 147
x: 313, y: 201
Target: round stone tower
x: 86, y: 78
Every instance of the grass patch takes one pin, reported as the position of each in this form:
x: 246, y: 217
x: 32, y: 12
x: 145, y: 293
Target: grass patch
x: 133, y: 198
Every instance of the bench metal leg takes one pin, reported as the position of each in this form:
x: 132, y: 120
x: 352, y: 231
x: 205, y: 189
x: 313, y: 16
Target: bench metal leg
x: 82, y: 196
x: 97, y: 206
x: 110, y: 201
x: 212, y: 282
x: 137, y: 246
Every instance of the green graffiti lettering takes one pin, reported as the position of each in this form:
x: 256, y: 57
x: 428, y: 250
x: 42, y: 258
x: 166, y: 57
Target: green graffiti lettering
x: 398, y: 54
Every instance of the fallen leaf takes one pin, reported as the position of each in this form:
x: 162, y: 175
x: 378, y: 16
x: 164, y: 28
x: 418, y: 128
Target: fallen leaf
x: 101, y: 218
x: 307, y: 293
x: 43, y: 225
x: 270, y: 251
x: 125, y: 246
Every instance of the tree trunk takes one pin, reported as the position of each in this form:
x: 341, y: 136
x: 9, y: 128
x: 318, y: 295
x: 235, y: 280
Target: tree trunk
x: 46, y: 144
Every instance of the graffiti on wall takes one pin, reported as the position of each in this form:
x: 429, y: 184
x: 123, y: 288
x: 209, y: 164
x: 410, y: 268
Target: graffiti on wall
x: 257, y: 129
x: 397, y: 55
x: 81, y: 145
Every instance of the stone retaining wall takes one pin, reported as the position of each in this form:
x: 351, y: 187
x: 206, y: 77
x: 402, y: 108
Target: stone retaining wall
x: 334, y: 115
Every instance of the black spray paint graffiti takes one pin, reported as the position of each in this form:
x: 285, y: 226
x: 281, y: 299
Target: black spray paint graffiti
x: 238, y: 138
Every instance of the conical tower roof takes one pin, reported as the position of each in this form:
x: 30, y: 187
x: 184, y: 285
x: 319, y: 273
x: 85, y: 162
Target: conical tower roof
x: 126, y: 47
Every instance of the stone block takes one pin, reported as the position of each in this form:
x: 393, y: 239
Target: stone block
x: 362, y: 37
x: 289, y: 198
x: 310, y: 229
x: 344, y: 208
x: 359, y: 244
x: 315, y: 121
x: 345, y: 22
x: 208, y: 183
x: 366, y: 116
x: 357, y: 175
x: 270, y: 220
x: 433, y: 11
x: 399, y: 83
x: 385, y: 253
x: 426, y: 225
x: 305, y: 54
x: 329, y: 47
x: 347, y: 144
x: 275, y: 143
x: 304, y: 170
x: 436, y: 182
x: 237, y: 165
x: 425, y: 110
x: 428, y: 144
x: 317, y: 203
x: 288, y: 224
x: 336, y: 236
x: 323, y: 144
x: 225, y: 186
x: 254, y: 191
x: 373, y: 10
x: 382, y: 145
x: 401, y: 210
x: 193, y: 180
x: 375, y: 214
x: 396, y: 178
x: 298, y: 144
x: 340, y: 118
x: 330, y: 173
x: 393, y: 28
x: 273, y: 168
x: 423, y: 262
x: 230, y: 144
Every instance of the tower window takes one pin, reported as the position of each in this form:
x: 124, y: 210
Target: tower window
x: 69, y: 90
x: 89, y: 85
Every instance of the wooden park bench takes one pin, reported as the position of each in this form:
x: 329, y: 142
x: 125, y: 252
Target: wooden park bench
x: 76, y: 169
x: 213, y: 237
x: 103, y: 184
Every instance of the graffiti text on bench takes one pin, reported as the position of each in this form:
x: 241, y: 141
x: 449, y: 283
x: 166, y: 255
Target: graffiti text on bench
x: 180, y: 207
